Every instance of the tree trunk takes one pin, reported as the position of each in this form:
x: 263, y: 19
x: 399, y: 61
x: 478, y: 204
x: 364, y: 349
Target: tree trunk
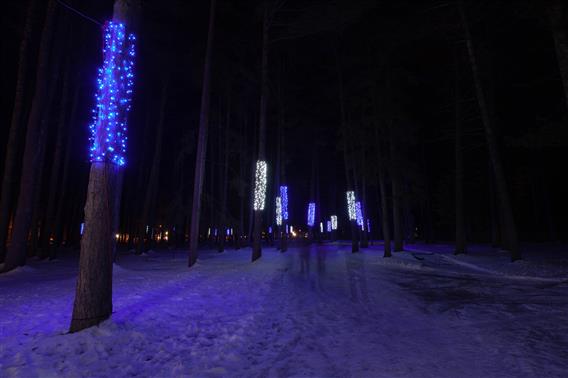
x: 16, y: 130
x: 93, y: 294
x: 152, y: 185
x: 256, y: 241
x: 62, y: 195
x: 48, y: 229
x: 396, y: 192
x: 93, y: 298
x: 201, y: 143
x: 36, y: 130
x: 354, y: 241
x: 558, y: 19
x: 510, y: 230
x: 225, y: 177
x: 383, y: 194
x: 460, y: 217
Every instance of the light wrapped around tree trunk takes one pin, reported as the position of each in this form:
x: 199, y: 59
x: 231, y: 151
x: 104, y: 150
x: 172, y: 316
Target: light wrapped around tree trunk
x: 93, y: 297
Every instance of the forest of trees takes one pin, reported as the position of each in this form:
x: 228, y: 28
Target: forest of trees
x: 462, y: 147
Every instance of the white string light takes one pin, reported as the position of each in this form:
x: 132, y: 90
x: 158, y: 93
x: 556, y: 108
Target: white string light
x: 334, y: 222
x: 259, y: 185
x: 279, y: 211
x: 351, y: 205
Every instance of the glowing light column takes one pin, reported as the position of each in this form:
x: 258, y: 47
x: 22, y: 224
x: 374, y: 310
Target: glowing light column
x: 113, y: 97
x: 311, y: 214
x: 284, y: 200
x: 359, y: 215
x: 334, y: 222
x: 351, y: 205
x: 259, y: 186
x: 278, y: 211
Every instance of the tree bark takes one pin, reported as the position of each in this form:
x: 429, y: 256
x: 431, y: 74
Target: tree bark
x: 152, y: 185
x: 16, y: 130
x: 396, y: 192
x: 558, y: 19
x: 257, y: 237
x: 93, y: 294
x: 225, y: 177
x: 201, y: 143
x: 460, y: 217
x: 93, y: 297
x: 36, y: 130
x: 509, y: 227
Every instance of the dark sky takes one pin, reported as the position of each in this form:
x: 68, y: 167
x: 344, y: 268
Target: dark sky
x: 412, y: 45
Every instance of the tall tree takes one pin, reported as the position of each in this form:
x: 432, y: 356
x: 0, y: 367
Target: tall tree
x: 558, y: 18
x: 93, y: 295
x: 16, y: 130
x: 201, y: 142
x: 509, y: 226
x: 16, y: 255
x: 458, y: 151
x: 153, y: 181
x: 256, y: 238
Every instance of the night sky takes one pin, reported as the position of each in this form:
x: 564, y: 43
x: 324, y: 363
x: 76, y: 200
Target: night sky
x: 417, y: 47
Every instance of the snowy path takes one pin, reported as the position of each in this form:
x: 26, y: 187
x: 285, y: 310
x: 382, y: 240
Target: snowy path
x: 314, y: 311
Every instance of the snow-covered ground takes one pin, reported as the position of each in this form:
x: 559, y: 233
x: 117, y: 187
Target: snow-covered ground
x: 316, y: 311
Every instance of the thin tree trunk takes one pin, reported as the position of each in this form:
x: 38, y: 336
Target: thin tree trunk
x: 256, y: 241
x: 16, y: 255
x: 201, y: 143
x: 343, y: 114
x: 55, y: 182
x: 558, y: 19
x: 62, y: 195
x: 396, y: 192
x: 225, y: 177
x: 16, y: 130
x: 383, y: 194
x: 510, y: 230
x: 93, y: 295
x: 152, y: 185
x: 460, y: 217
x: 364, y: 230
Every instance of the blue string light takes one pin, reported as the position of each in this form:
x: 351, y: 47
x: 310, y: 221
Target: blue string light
x: 359, y: 214
x: 113, y: 97
x: 311, y: 214
x: 284, y: 201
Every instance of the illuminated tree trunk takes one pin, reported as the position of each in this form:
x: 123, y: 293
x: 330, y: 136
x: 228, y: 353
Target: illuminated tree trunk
x: 256, y: 240
x: 36, y: 132
x: 16, y: 129
x: 509, y: 227
x: 201, y: 143
x: 93, y: 295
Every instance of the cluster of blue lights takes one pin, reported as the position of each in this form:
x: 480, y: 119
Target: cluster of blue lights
x: 284, y: 201
x: 311, y: 214
x: 359, y: 213
x: 114, y: 95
